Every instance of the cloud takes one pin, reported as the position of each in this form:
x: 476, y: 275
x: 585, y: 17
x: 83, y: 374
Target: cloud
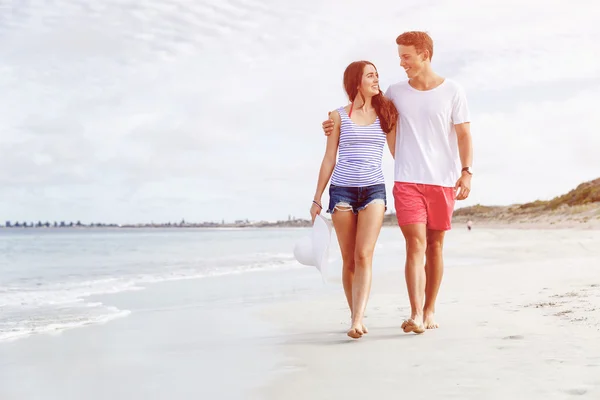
x: 208, y: 110
x: 537, y: 151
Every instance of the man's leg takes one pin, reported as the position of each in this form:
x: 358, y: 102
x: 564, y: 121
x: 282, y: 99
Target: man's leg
x: 411, y: 211
x: 440, y: 205
x: 416, y: 243
x: 434, y: 270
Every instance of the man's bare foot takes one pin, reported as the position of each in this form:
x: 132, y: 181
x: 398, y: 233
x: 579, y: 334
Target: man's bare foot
x: 414, y: 324
x: 429, y: 321
x: 355, y: 332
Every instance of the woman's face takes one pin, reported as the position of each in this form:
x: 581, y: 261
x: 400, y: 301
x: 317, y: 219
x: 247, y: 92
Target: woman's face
x: 370, y: 81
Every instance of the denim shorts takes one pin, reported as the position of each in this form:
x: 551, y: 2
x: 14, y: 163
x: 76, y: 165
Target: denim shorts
x: 344, y: 198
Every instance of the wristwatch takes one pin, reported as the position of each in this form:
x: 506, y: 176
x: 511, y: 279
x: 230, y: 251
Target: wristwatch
x: 468, y: 170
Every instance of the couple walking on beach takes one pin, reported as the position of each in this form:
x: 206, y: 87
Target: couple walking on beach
x: 425, y: 121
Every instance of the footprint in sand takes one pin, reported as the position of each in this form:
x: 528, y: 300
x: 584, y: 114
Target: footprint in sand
x: 576, y: 392
x: 562, y: 313
x: 514, y: 337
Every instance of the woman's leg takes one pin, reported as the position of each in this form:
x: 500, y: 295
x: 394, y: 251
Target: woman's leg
x: 344, y: 223
x: 368, y: 227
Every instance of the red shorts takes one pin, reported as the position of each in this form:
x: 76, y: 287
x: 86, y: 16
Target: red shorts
x: 418, y: 203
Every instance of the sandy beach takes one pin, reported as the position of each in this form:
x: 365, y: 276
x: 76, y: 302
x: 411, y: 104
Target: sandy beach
x: 519, y: 312
x: 524, y: 323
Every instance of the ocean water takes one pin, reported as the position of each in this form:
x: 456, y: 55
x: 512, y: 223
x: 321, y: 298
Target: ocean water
x: 48, y: 275
x: 50, y: 278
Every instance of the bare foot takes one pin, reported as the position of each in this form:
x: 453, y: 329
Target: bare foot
x: 413, y: 325
x: 430, y: 321
x: 355, y: 332
x: 363, y: 329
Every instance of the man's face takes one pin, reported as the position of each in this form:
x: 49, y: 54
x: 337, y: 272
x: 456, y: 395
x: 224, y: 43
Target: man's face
x: 412, y: 62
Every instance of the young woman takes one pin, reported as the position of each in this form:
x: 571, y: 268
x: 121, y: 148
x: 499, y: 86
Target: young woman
x: 357, y: 200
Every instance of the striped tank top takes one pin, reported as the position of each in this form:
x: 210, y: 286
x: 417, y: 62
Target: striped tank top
x: 360, y: 154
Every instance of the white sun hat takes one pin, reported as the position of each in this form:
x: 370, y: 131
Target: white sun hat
x: 313, y: 249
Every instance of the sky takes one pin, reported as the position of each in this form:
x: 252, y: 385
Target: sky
x: 208, y: 110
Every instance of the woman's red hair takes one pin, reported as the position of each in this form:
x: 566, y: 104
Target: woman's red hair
x: 385, y: 109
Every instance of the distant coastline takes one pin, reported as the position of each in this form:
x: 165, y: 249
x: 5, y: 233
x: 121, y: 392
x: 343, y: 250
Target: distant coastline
x: 291, y: 223
x: 579, y: 206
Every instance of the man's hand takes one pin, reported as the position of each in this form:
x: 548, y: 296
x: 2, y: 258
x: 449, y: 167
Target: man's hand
x: 465, y: 150
x: 463, y: 186
x: 328, y: 126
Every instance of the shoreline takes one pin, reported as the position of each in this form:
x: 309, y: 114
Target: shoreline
x: 533, y: 222
x: 181, y: 338
x: 586, y: 216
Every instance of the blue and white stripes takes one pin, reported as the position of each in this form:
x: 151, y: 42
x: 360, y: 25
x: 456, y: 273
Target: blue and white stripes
x: 359, y: 154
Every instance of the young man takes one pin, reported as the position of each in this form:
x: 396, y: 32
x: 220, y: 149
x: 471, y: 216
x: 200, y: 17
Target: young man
x: 433, y: 160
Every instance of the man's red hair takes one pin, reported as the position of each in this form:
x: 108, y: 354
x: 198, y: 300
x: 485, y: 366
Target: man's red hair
x: 421, y: 40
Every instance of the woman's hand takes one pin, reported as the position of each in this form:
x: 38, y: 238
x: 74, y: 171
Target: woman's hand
x: 315, y: 210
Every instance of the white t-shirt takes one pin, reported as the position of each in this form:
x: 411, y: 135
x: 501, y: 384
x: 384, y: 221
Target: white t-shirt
x: 426, y: 144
